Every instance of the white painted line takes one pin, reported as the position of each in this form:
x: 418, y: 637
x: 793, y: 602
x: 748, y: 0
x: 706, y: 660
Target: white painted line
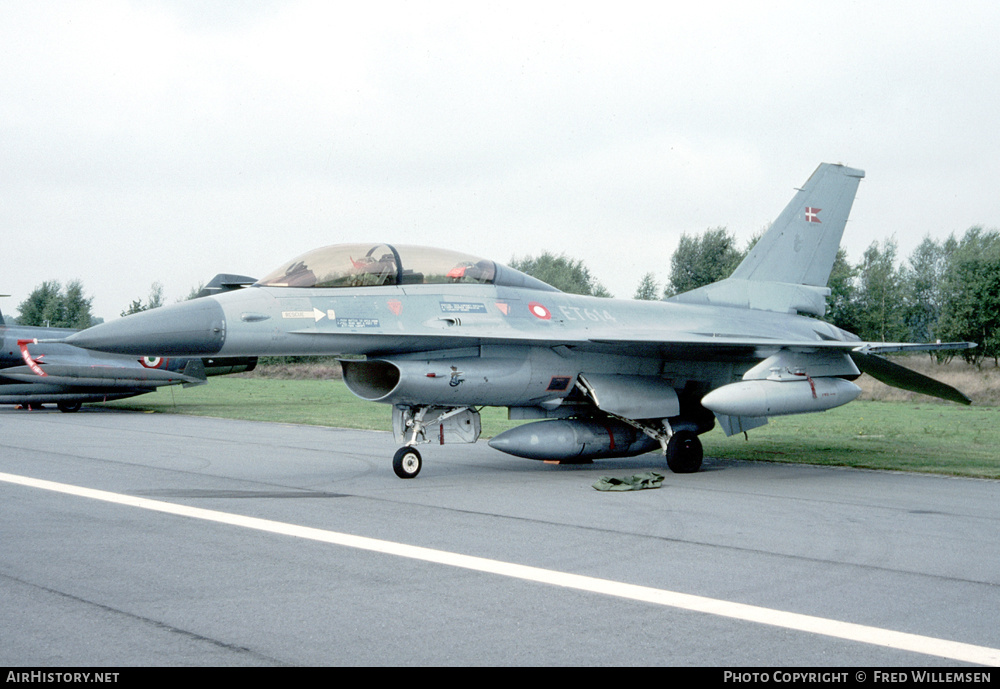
x: 915, y: 643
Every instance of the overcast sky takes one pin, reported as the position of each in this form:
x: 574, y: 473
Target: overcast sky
x: 169, y: 141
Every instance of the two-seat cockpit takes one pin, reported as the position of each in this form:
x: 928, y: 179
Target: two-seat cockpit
x: 377, y: 265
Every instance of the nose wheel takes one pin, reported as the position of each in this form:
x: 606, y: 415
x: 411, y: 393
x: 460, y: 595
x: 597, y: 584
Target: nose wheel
x: 406, y: 462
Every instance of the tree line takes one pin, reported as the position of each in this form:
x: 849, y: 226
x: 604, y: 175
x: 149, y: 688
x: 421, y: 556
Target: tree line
x: 54, y: 306
x: 945, y: 290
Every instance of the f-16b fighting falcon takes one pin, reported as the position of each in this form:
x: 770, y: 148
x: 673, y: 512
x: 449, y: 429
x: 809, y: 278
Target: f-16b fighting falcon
x: 444, y: 334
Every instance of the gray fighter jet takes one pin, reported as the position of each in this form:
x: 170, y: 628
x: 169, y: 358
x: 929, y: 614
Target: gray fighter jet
x: 445, y: 333
x: 37, y: 368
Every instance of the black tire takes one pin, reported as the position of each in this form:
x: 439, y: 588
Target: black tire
x: 406, y: 462
x: 684, y: 453
x: 69, y: 407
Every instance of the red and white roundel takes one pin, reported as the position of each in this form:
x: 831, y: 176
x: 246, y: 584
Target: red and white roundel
x: 153, y: 361
x: 539, y: 311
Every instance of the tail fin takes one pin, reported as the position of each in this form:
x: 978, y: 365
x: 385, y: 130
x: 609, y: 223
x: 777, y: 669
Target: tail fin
x: 788, y: 268
x: 801, y: 245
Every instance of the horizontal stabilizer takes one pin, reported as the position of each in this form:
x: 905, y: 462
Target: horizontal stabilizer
x: 901, y: 377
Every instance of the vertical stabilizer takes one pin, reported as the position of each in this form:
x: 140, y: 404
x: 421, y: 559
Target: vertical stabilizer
x: 800, y: 246
x: 788, y: 268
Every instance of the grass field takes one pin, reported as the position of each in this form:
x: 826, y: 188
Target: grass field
x: 923, y: 436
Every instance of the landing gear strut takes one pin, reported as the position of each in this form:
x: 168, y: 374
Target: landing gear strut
x: 406, y: 463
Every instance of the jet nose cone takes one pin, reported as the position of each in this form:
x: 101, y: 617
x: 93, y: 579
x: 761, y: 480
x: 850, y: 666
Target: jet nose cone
x: 192, y: 328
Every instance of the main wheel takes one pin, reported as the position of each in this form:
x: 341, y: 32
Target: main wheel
x: 684, y: 452
x: 406, y: 462
x: 69, y: 407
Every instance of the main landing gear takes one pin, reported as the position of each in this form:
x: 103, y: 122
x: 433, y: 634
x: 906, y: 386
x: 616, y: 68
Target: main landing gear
x: 681, y: 448
x: 684, y: 452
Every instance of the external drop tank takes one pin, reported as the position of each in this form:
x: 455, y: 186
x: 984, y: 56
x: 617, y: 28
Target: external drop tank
x: 574, y: 440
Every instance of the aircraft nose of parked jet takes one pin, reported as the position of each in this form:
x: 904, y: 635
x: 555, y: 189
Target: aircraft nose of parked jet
x: 191, y: 328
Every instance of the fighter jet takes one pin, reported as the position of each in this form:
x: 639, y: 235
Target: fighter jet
x: 37, y: 368
x: 444, y: 334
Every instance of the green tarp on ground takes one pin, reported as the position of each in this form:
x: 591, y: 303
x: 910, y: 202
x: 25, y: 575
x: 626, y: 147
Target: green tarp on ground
x: 637, y: 482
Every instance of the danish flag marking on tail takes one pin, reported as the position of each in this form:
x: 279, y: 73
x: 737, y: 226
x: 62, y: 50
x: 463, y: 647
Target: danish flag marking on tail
x: 812, y: 214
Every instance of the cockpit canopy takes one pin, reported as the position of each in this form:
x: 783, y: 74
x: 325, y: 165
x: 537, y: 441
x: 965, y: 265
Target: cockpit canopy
x: 376, y: 265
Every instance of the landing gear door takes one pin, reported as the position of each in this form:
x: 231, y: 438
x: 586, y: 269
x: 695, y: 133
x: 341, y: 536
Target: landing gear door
x: 633, y: 397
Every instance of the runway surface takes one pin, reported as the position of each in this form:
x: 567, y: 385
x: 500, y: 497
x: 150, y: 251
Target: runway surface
x: 147, y: 539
